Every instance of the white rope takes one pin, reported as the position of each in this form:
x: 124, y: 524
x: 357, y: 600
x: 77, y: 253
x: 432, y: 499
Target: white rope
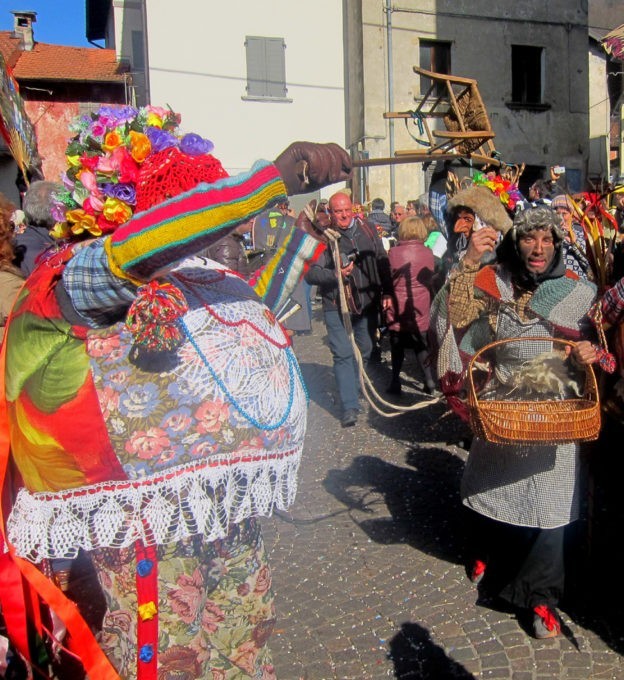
x: 368, y: 390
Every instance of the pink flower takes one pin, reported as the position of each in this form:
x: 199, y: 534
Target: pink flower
x: 204, y: 448
x: 101, y: 346
x: 88, y: 181
x: 211, y: 416
x: 109, y: 401
x: 212, y: 616
x: 98, y: 129
x: 245, y: 657
x: 108, y: 164
x: 92, y: 205
x: 263, y: 582
x: 149, y: 444
x: 250, y: 445
x: 178, y: 422
x: 186, y: 600
x: 157, y: 110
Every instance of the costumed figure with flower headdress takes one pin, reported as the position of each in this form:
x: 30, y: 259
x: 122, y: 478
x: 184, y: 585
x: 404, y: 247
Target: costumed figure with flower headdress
x: 153, y: 407
x: 521, y: 497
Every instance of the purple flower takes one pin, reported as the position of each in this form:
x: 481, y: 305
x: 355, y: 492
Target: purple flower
x: 122, y: 192
x: 160, y: 139
x: 67, y: 182
x: 58, y: 212
x: 194, y: 145
x: 112, y: 116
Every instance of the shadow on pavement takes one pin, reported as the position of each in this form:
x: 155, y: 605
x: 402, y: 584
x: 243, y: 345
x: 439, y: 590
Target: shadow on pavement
x: 319, y: 381
x: 597, y: 590
x: 417, y: 657
x: 423, y: 503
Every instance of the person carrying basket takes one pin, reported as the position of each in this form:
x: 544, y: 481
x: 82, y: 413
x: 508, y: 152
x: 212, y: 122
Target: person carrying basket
x: 521, y: 494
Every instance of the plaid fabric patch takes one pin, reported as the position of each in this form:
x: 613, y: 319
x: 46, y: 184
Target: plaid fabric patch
x: 96, y: 294
x: 437, y: 206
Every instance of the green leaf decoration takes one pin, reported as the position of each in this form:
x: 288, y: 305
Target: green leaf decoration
x: 74, y: 148
x: 45, y: 360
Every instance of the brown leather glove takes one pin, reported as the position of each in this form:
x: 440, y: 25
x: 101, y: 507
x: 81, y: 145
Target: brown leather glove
x: 307, y: 166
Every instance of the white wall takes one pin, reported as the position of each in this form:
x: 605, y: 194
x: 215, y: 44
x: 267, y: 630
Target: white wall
x: 197, y: 65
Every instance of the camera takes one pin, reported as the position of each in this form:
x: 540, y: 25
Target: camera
x: 351, y: 256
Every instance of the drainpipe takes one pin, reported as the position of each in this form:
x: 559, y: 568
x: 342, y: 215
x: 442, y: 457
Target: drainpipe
x: 146, y: 65
x: 388, y: 11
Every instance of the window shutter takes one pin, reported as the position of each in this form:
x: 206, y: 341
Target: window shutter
x: 266, y: 68
x: 256, y: 80
x: 276, y: 68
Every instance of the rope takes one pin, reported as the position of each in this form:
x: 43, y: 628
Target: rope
x: 368, y: 390
x: 417, y: 119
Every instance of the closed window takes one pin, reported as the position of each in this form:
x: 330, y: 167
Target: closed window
x: 138, y: 58
x: 266, y: 68
x: 435, y: 56
x: 527, y: 74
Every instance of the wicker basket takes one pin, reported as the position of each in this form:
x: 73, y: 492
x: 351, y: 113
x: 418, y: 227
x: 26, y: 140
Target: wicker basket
x: 531, y: 422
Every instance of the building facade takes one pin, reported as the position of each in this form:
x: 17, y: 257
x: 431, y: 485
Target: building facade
x: 251, y: 76
x: 530, y: 60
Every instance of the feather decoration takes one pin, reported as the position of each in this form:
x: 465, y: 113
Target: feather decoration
x: 613, y: 43
x: 15, y: 126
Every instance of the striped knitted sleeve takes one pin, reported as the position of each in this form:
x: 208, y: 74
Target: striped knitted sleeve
x: 186, y: 224
x: 275, y: 282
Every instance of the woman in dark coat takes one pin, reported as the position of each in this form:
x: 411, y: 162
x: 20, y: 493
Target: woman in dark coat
x: 412, y: 265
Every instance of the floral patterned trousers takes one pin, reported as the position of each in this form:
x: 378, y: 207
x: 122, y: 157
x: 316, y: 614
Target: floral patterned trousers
x: 215, y: 608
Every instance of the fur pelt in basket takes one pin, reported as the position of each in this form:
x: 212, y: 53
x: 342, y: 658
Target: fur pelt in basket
x: 547, y: 375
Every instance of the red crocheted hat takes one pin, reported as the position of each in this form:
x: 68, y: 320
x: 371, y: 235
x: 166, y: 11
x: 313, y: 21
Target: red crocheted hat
x: 170, y: 172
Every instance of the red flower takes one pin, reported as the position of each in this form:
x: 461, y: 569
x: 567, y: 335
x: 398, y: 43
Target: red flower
x: 89, y: 162
x: 105, y: 225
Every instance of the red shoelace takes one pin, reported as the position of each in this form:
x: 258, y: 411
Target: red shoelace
x: 548, y: 617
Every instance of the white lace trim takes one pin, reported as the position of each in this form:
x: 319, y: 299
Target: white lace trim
x: 202, y: 498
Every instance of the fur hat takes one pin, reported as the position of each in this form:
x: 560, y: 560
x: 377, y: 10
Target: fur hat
x: 483, y: 203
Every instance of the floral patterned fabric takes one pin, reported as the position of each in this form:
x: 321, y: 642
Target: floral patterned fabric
x: 186, y: 449
x: 201, y: 586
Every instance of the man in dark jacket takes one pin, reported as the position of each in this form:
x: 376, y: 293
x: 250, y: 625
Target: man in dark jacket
x: 230, y: 250
x: 366, y: 274
x: 34, y: 238
x: 378, y: 217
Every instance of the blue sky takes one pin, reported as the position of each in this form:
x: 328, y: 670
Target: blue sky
x: 60, y: 22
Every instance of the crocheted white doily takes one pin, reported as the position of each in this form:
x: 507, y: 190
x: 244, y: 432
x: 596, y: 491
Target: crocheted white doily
x: 203, y: 498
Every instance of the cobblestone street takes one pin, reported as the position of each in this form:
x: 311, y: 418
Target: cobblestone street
x: 368, y: 563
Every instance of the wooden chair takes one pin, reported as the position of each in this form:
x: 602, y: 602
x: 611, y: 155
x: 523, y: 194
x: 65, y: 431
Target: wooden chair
x: 457, y: 102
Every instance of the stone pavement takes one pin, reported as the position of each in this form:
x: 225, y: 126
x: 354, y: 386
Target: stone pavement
x: 368, y: 563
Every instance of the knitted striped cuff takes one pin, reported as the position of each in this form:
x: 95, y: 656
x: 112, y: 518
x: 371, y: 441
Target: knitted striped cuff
x: 275, y: 282
x: 188, y: 223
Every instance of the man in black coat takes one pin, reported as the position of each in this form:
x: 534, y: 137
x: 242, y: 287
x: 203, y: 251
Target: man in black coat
x: 365, y: 271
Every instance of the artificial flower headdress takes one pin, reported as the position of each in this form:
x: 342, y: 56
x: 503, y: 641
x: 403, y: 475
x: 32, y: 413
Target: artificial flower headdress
x: 126, y: 160
x: 506, y: 191
x: 113, y: 160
